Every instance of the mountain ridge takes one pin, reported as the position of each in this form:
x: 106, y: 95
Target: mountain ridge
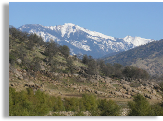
x: 148, y: 57
x: 84, y: 41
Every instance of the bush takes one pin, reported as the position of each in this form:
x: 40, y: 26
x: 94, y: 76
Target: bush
x: 65, y: 50
x: 134, y: 72
x: 71, y: 104
x: 109, y: 108
x: 58, y: 105
x: 139, y: 106
x: 89, y: 102
x: 70, y: 65
x: 25, y: 103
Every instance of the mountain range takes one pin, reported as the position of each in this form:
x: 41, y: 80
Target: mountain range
x: 148, y: 57
x: 84, y: 41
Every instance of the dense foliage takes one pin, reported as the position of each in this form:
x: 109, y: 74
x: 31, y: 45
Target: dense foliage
x: 29, y: 103
x: 141, y: 107
x: 114, y: 71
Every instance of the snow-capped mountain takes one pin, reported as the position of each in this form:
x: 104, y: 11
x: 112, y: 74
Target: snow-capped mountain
x: 84, y: 41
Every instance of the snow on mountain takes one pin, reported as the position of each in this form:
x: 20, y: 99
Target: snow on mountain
x: 84, y: 41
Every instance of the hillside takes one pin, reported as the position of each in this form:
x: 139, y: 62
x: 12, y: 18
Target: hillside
x: 148, y: 57
x: 44, y: 79
x: 83, y: 41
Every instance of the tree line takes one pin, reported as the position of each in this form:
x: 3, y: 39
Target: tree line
x: 113, y: 70
x: 29, y: 103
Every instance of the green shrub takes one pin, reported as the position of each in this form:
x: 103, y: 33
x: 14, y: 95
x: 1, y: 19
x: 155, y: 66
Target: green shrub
x: 71, y: 104
x: 156, y: 110
x: 58, y: 105
x: 90, y: 103
x: 109, y: 108
x: 139, y: 106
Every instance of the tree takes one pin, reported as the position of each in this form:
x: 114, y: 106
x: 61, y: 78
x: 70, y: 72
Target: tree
x: 70, y: 65
x: 92, y: 68
x: 65, y: 50
x: 85, y: 59
x: 109, y: 108
x: 134, y: 72
x: 139, y: 106
x: 51, y: 48
x: 90, y: 103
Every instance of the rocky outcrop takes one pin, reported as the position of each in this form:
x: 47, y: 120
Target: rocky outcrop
x: 70, y: 113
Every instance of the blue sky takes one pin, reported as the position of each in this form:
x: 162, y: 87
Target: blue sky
x: 113, y: 19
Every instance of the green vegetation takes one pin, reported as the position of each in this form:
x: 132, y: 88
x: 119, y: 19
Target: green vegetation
x: 108, y: 108
x: 29, y: 103
x: 141, y: 107
x: 33, y: 52
x: 31, y: 55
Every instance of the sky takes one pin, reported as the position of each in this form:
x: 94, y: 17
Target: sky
x: 119, y: 19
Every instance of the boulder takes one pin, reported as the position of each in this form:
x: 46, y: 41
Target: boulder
x: 75, y: 75
x: 93, y: 81
x: 99, y: 92
x: 122, y: 90
x: 42, y: 67
x: 153, y: 92
x: 18, y: 74
x: 19, y: 61
x: 118, y: 93
x: 127, y: 87
x: 156, y: 86
x: 108, y: 80
x: 66, y: 75
x: 126, y: 96
x: 148, y: 89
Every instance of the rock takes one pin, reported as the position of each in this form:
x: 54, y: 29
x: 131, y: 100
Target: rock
x: 99, y: 92
x: 126, y: 96
x: 153, y: 92
x: 122, y: 81
x: 42, y: 67
x: 156, y: 86
x: 148, y: 89
x: 37, y: 86
x: 153, y: 97
x: 75, y: 75
x: 69, y: 75
x: 81, y: 79
x: 18, y: 74
x: 19, y: 61
x: 93, y: 81
x: 66, y: 75
x: 11, y: 84
x: 122, y: 90
x: 147, y: 95
x: 108, y: 80
x: 32, y: 85
x: 127, y: 87
x: 118, y: 93
x: 74, y: 86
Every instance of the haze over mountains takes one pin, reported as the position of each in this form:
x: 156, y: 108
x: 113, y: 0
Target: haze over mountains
x: 148, y: 57
x: 84, y: 41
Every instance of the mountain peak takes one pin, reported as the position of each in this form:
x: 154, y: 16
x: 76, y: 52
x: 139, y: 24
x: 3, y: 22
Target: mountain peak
x: 69, y: 24
x: 81, y: 40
